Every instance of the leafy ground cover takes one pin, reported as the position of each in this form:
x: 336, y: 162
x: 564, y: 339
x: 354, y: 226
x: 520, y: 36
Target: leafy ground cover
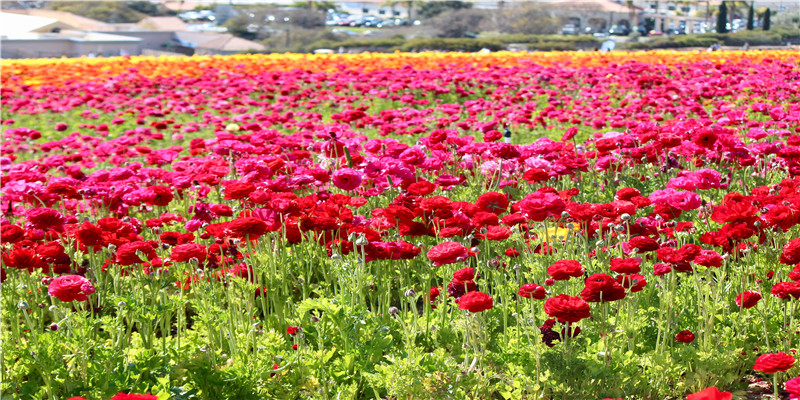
x: 489, y: 226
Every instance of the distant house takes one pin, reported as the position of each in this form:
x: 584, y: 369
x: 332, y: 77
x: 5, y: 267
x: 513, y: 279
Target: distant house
x: 161, y: 24
x: 73, y: 21
x: 14, y: 24
x: 204, y: 43
x: 67, y: 43
x: 31, y: 34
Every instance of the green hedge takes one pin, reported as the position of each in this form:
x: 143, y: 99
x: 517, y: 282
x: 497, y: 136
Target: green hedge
x: 774, y: 37
x: 446, y: 44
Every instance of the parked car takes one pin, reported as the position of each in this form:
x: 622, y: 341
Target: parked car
x: 619, y: 30
x: 569, y: 29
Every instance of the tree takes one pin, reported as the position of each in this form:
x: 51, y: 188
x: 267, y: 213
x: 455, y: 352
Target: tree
x: 722, y: 18
x: 531, y: 19
x: 460, y: 23
x: 433, y: 8
x: 751, y: 13
x: 767, y: 16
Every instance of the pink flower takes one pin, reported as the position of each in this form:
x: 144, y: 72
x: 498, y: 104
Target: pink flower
x: 346, y: 179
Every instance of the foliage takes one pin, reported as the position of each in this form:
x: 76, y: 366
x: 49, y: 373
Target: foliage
x: 430, y: 9
x: 111, y: 11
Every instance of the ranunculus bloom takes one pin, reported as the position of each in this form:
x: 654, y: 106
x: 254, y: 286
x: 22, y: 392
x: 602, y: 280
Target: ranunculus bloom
x: 567, y: 308
x: 188, y: 251
x: 127, y: 253
x: 346, y: 179
x: 125, y: 396
x: 247, y: 227
x: 748, y: 299
x: 791, y: 252
x: 70, y: 288
x: 540, y: 205
x: 602, y: 288
x: 293, y: 330
x: 711, y: 393
x: 532, y: 291
x: 447, y: 253
x: 771, y: 363
x: 562, y: 270
x: 786, y: 290
x: 475, y: 302
x: 793, y: 387
x: 492, y: 202
x: 626, y: 265
x: 684, y: 337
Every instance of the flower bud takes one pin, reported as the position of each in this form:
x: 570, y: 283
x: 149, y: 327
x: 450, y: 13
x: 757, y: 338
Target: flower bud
x: 393, y: 310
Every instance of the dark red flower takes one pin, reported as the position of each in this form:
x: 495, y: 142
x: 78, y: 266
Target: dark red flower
x: 684, y: 337
x: 127, y: 253
x: 10, y: 233
x: 626, y: 265
x: 125, y: 396
x: 189, y: 251
x: 493, y: 202
x: 748, y: 299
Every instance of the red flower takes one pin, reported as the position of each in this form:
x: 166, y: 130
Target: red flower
x: 421, y: 188
x: 684, y: 337
x: 711, y: 393
x: 539, y: 206
x: 238, y: 190
x: 464, y: 274
x: 447, y: 253
x: 643, y: 243
x: 46, y: 218
x: 475, y: 302
x: 785, y: 290
x: 248, y: 227
x: 11, y: 233
x: 602, y: 288
x: 562, y: 270
x: 125, y: 396
x: 567, y: 308
x: 748, y: 299
x: 793, y: 387
x: 89, y: 235
x: 293, y: 330
x: 23, y: 258
x: 163, y: 195
x: 127, y: 253
x: 634, y: 282
x: 626, y: 265
x: 791, y: 252
x: 70, y: 288
x: 497, y: 233
x: 188, y: 251
x: 532, y: 291
x: 493, y: 202
x: 771, y: 363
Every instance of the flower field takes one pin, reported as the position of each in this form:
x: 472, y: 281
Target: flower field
x: 402, y: 226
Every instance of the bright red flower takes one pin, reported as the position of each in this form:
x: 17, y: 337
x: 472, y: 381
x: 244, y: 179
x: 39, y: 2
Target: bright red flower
x: 711, y: 393
x: 602, y: 288
x: 562, y: 270
x: 539, y: 206
x: 567, y: 308
x: 626, y: 265
x: 10, y: 233
x: 786, y: 290
x: 293, y: 330
x: 493, y: 202
x: 125, y: 396
x: 475, y: 302
x: 447, y: 253
x: 771, y: 363
x: 532, y: 291
x: 791, y: 252
x: 248, y: 227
